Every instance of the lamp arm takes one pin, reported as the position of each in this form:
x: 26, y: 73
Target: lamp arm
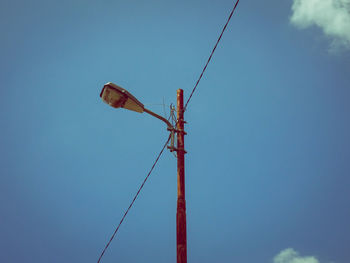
x: 170, y: 127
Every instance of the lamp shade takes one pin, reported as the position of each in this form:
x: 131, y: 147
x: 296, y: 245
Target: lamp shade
x: 118, y: 97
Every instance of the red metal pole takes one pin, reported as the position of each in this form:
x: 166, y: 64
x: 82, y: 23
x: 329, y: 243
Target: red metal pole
x: 181, y: 236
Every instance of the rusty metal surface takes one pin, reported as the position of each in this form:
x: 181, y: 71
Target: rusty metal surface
x: 181, y: 233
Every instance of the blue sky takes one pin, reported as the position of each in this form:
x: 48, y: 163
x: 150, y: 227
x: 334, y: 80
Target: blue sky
x: 267, y: 169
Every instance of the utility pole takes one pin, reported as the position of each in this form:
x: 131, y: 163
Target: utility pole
x: 118, y: 97
x: 181, y: 236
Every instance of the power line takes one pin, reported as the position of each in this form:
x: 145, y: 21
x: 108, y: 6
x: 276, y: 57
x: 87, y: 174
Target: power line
x: 166, y: 143
x: 212, y: 52
x: 127, y: 210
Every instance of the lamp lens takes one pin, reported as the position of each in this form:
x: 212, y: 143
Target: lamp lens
x: 113, y: 97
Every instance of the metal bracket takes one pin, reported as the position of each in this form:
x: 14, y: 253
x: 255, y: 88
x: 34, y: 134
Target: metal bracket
x: 172, y: 148
x: 172, y: 140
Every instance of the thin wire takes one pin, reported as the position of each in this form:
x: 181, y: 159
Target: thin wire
x: 143, y: 183
x: 161, y: 152
x: 155, y: 104
x: 173, y: 122
x: 212, y: 52
x: 165, y: 115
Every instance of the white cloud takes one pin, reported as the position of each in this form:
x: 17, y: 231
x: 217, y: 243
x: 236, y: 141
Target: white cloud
x: 332, y: 16
x: 289, y: 255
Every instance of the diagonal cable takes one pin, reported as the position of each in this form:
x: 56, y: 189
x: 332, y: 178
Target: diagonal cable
x: 161, y: 152
x: 212, y: 52
x: 127, y: 210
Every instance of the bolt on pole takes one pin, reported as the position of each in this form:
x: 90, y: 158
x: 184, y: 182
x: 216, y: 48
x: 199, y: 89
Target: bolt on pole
x: 181, y: 236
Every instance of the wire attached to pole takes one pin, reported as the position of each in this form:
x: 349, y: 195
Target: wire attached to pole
x: 166, y: 143
x: 127, y: 210
x: 212, y: 52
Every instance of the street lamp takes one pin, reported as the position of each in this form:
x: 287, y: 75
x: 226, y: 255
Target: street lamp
x: 118, y: 97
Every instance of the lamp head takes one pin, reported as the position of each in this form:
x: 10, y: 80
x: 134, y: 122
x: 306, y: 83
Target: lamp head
x: 118, y: 97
